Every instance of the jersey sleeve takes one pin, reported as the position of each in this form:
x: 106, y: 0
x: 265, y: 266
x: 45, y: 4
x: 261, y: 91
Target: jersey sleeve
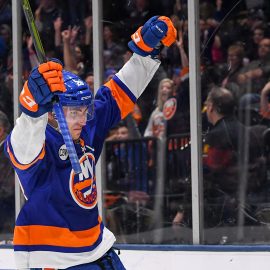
x: 130, y: 82
x: 116, y: 99
x: 25, y: 147
x: 25, y: 144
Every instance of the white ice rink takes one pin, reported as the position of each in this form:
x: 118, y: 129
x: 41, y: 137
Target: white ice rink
x: 174, y: 260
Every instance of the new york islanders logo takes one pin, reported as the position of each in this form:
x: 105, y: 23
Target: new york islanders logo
x: 169, y: 108
x: 83, y: 186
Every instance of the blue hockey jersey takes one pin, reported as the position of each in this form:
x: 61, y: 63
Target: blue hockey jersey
x: 59, y: 225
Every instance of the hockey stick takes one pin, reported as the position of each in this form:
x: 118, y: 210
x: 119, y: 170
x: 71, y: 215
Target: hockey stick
x: 56, y: 105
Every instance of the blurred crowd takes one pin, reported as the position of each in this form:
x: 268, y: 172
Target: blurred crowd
x: 235, y: 72
x: 234, y: 48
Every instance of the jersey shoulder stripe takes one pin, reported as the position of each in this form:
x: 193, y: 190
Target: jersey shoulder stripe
x: 122, y: 95
x: 17, y: 164
x: 125, y: 88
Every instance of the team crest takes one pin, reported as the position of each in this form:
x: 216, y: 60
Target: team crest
x: 63, y: 153
x: 83, y: 186
x: 169, y: 108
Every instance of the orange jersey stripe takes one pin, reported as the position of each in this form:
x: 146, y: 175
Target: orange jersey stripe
x: 123, y: 101
x: 55, y: 236
x: 25, y: 166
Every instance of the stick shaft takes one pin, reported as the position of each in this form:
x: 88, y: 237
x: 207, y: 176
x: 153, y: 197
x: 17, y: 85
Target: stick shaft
x: 33, y: 31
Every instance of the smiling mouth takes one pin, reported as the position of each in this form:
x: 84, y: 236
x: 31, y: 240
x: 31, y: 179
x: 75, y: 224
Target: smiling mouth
x: 77, y: 129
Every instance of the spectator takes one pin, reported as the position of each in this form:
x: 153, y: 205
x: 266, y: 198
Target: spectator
x: 77, y: 11
x: 258, y: 34
x: 31, y: 52
x: 253, y: 78
x: 264, y: 101
x: 88, y: 23
x: 127, y: 179
x: 157, y: 124
x: 5, y: 12
x: 45, y: 14
x: 89, y: 79
x: 235, y: 63
x: 257, y: 71
x: 109, y: 73
x: 220, y: 109
x: 5, y: 45
x: 146, y: 102
x: 115, y: 11
x: 87, y: 43
x: 138, y: 11
x: 80, y: 58
x: 113, y: 50
x: 224, y: 160
x: 235, y: 58
x: 77, y: 52
x: 220, y: 11
x: 217, y: 51
x: 132, y: 156
x: 74, y: 54
x: 182, y: 113
x: 57, y: 23
x: 6, y: 102
x: 176, y: 56
x: 7, y: 178
x: 112, y: 136
x: 207, y: 35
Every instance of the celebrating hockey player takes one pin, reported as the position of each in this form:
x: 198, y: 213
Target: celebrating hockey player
x: 59, y: 225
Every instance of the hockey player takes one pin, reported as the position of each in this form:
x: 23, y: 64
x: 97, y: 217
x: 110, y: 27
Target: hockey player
x: 59, y: 225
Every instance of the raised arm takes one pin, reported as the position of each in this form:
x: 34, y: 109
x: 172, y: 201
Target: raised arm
x: 136, y: 74
x: 88, y: 22
x: 69, y: 57
x: 116, y: 99
x: 57, y: 31
x: 32, y: 55
x: 26, y: 142
x: 180, y: 45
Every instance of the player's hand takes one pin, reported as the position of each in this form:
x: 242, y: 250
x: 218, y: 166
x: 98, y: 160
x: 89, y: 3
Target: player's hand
x: 44, y: 82
x: 156, y: 31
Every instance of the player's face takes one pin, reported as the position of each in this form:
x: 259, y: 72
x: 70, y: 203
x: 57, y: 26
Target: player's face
x: 76, y: 118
